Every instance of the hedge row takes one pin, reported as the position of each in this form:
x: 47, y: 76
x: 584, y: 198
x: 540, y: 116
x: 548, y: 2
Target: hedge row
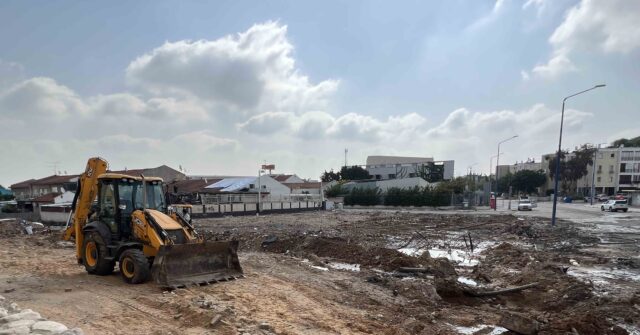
x: 417, y: 196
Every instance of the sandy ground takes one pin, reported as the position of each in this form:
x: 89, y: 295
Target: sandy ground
x: 292, y: 285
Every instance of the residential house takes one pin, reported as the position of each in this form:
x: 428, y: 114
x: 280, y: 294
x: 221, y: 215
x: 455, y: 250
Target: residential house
x: 234, y: 189
x: 287, y: 178
x: 167, y: 173
x: 304, y: 188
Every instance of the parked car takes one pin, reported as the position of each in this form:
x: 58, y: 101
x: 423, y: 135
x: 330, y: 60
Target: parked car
x: 525, y: 205
x: 602, y: 197
x: 615, y: 205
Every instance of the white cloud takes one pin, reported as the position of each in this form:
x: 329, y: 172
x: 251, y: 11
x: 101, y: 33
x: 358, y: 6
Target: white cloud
x: 321, y: 125
x: 496, y: 11
x: 608, y: 26
x: 248, y: 72
x: 268, y: 123
x: 558, y: 65
x: 42, y: 98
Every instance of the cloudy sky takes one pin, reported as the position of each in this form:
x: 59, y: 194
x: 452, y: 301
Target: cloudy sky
x: 220, y: 87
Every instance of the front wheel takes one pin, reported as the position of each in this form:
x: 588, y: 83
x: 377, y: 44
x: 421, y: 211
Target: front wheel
x: 134, y: 266
x: 602, y: 208
x: 95, y: 253
x: 625, y: 210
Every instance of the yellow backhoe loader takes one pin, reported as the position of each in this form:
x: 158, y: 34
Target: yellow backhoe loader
x: 132, y: 225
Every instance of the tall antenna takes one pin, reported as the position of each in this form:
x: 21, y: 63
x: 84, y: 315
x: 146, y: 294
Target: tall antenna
x: 345, y: 156
x: 54, y: 166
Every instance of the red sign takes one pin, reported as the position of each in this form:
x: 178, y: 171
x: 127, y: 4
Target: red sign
x: 268, y: 166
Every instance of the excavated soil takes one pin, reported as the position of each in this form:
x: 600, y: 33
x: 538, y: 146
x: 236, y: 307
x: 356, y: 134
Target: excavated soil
x: 339, y: 273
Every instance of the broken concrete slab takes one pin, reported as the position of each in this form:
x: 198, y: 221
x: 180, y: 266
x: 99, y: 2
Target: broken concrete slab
x: 519, y: 323
x: 48, y: 327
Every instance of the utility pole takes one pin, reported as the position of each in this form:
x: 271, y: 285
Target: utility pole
x: 498, y: 163
x: 557, y: 172
x: 345, y: 157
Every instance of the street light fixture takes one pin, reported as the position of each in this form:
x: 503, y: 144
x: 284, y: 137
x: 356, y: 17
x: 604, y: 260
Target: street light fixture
x: 557, y: 173
x: 498, y: 163
x: 491, y: 169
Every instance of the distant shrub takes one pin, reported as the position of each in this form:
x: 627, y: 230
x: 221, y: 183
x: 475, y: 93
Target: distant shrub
x: 417, y: 196
x: 335, y: 191
x: 363, y: 197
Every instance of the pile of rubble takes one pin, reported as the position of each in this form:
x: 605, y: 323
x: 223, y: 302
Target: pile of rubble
x: 14, y: 320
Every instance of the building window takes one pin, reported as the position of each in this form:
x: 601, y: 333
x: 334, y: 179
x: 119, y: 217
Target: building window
x: 378, y: 177
x: 598, y: 179
x: 613, y: 155
x: 611, y: 179
x: 252, y: 186
x: 625, y: 179
x: 623, y: 167
x: 392, y: 176
x: 626, y: 156
x: 599, y: 168
x: 610, y: 168
x: 411, y: 175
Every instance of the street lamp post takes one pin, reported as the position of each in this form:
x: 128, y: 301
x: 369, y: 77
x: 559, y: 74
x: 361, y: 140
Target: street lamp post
x: 491, y: 169
x: 498, y: 163
x: 557, y: 172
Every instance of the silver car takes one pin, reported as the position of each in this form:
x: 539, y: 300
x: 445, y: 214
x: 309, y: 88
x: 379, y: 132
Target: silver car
x: 615, y: 205
x: 525, y: 205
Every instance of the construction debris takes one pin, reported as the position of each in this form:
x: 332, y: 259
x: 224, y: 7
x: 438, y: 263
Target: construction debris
x: 363, y: 272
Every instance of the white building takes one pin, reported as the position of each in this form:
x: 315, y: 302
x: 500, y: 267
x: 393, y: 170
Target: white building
x: 398, y: 167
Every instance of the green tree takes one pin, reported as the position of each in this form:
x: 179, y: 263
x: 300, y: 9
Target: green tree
x: 455, y: 185
x: 573, y: 168
x: 504, y: 182
x: 354, y: 173
x: 330, y: 176
x: 528, y: 181
x: 629, y: 143
x: 335, y: 191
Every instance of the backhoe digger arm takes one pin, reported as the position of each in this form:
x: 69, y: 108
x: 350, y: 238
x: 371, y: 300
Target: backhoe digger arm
x: 84, y: 197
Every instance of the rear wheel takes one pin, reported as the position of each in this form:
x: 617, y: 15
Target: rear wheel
x: 602, y: 208
x: 95, y: 255
x: 134, y: 266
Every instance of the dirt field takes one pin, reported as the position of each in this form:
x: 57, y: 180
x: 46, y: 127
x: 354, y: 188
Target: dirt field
x: 337, y: 273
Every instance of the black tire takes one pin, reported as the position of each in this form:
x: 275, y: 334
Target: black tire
x: 134, y: 266
x: 625, y: 210
x: 96, y: 262
x: 602, y: 208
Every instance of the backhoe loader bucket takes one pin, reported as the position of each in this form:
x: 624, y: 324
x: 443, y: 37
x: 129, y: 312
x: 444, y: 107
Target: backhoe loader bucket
x: 196, y: 264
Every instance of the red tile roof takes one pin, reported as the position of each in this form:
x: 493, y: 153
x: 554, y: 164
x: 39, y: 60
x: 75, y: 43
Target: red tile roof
x: 22, y: 184
x: 46, y: 197
x: 282, y: 177
x: 54, y: 180
x: 130, y: 172
x: 191, y: 185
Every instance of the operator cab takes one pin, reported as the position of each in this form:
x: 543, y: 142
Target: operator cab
x: 120, y: 195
